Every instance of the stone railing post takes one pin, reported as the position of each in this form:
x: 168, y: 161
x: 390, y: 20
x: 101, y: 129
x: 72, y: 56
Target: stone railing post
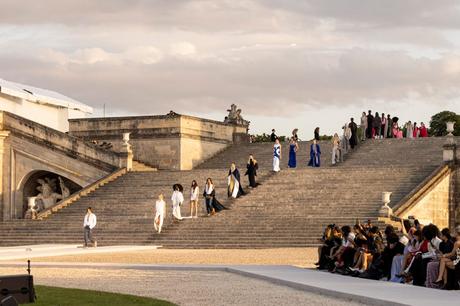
x: 385, y: 210
x: 450, y: 147
x: 126, y: 154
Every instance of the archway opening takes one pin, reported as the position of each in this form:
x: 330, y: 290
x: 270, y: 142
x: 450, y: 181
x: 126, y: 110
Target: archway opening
x: 48, y: 187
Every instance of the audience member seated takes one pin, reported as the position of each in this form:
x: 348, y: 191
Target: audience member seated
x: 418, y: 255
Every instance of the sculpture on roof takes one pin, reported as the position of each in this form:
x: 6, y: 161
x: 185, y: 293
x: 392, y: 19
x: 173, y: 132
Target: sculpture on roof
x: 234, y: 116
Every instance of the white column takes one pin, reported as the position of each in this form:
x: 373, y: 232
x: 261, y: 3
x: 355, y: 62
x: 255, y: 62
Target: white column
x: 3, y: 173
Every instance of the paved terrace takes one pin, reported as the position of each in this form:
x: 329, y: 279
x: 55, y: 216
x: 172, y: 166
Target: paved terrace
x: 322, y: 288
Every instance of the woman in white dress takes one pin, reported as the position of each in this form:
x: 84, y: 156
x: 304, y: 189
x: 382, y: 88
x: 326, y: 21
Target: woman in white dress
x: 194, y: 193
x: 276, y: 155
x: 363, y: 126
x: 335, y: 148
x: 160, y: 211
x: 409, y: 130
x: 177, y: 200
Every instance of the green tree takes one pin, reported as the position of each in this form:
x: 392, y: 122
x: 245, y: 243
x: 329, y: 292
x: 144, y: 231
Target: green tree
x: 266, y: 138
x: 438, y: 123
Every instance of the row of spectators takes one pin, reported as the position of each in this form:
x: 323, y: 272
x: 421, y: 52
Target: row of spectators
x: 418, y: 255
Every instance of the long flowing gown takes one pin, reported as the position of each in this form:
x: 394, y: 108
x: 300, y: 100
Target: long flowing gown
x: 251, y: 172
x: 214, y: 202
x: 292, y: 156
x: 354, y: 135
x: 409, y: 131
x: 423, y: 132
x: 276, y: 157
x: 315, y: 156
x: 234, y: 184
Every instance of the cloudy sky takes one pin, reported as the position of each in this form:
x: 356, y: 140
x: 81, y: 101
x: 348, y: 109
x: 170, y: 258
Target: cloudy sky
x: 286, y: 63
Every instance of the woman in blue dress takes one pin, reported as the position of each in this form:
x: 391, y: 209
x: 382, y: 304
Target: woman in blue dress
x: 293, y: 148
x: 315, y: 155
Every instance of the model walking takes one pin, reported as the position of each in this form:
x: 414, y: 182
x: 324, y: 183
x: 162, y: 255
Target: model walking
x: 315, y: 155
x: 293, y: 148
x: 234, y: 189
x: 276, y: 155
x: 194, y: 193
x: 177, y: 200
x: 160, y: 211
x: 251, y: 171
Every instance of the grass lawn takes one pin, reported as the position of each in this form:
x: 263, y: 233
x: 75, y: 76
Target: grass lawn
x: 54, y: 296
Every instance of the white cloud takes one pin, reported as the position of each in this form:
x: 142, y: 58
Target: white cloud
x: 89, y: 56
x: 183, y: 49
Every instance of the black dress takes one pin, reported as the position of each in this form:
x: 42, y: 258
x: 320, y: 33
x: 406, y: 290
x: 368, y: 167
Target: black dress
x: 251, y: 172
x: 212, y: 202
x: 354, y: 134
x: 316, y: 136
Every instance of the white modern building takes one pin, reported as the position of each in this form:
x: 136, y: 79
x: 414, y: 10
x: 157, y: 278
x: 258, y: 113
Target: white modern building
x: 40, y: 105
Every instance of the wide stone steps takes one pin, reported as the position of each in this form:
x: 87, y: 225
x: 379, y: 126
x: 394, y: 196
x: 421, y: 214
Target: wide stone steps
x: 288, y: 209
x: 263, y: 153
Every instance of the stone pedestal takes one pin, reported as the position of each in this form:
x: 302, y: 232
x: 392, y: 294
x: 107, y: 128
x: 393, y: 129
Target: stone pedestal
x: 385, y: 210
x: 449, y: 152
x: 126, y: 155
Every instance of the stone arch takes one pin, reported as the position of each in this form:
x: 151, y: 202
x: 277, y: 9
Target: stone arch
x: 29, y: 183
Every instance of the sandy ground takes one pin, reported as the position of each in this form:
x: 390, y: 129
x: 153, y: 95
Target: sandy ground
x: 302, y: 257
x: 181, y: 287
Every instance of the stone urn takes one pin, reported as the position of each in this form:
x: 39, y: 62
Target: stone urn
x: 126, y: 144
x: 450, y: 128
x: 385, y: 210
x: 126, y: 138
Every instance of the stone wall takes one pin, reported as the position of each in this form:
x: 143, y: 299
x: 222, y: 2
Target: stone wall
x: 27, y: 147
x: 171, y: 141
x: 434, y: 205
x: 59, y: 142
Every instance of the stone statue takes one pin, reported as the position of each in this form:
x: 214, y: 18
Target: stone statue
x: 234, y: 116
x: 31, y: 212
x: 47, y: 194
x: 65, y: 191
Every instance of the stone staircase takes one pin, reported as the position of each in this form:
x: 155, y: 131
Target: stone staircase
x: 288, y: 209
x: 263, y: 153
x: 142, y: 167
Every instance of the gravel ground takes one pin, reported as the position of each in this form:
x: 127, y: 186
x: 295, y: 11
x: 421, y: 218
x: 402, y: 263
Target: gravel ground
x: 301, y: 257
x: 181, y: 287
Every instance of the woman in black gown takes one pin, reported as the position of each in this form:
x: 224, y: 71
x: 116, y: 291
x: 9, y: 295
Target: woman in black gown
x: 251, y: 171
x: 212, y: 205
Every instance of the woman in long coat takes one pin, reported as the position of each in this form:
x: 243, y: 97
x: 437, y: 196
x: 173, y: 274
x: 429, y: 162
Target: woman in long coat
x: 234, y: 182
x: 315, y: 155
x: 212, y: 205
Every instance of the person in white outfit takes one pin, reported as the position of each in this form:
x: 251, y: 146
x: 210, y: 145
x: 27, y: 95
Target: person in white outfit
x: 89, y: 223
x: 335, y: 149
x: 194, y: 194
x: 363, y: 126
x: 276, y: 155
x: 160, y: 211
x: 409, y: 130
x: 346, y: 138
x: 177, y: 200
